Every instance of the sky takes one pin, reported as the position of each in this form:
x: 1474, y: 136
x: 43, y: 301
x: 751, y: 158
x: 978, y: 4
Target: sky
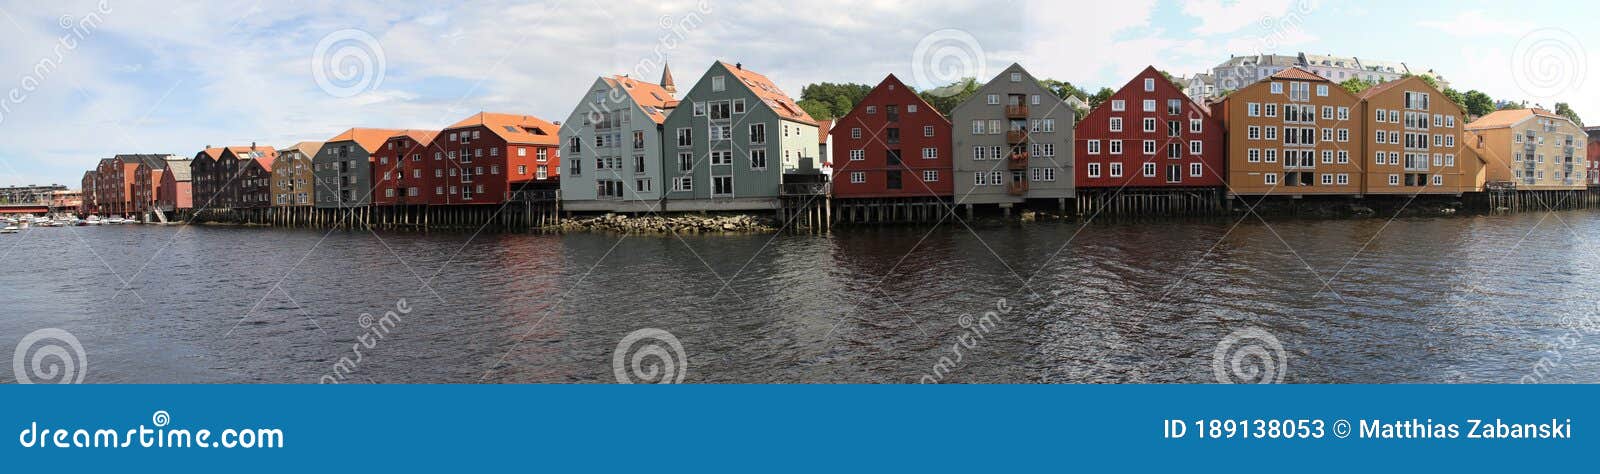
x: 84, y: 80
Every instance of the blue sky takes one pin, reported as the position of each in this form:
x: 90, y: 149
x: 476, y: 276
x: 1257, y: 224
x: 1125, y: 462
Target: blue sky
x: 172, y: 77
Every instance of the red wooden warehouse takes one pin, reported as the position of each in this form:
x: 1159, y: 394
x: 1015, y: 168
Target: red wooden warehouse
x: 489, y: 156
x: 892, y: 145
x: 405, y: 169
x: 1148, y: 135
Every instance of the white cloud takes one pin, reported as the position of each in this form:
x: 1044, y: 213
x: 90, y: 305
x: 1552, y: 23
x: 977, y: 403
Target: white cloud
x: 1229, y: 16
x: 1470, y: 23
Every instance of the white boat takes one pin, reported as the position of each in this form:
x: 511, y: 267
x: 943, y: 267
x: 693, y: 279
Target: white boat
x: 10, y: 229
x: 93, y: 220
x: 113, y: 220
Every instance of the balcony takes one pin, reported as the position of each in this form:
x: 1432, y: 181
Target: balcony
x: 1018, y: 161
x: 1017, y: 111
x: 1017, y: 188
x: 1015, y: 137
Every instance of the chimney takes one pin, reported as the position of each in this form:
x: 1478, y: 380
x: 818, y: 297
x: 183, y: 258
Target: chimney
x: 740, y: 66
x: 252, y: 145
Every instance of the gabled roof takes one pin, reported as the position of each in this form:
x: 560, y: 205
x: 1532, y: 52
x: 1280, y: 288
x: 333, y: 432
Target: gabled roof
x: 422, y: 137
x: 883, y: 87
x: 770, y: 94
x: 307, y: 148
x: 823, y: 126
x: 1384, y: 87
x: 368, y: 139
x: 1296, y: 73
x: 151, y: 161
x: 1512, y: 117
x: 260, y: 154
x: 653, y: 99
x: 1149, y: 72
x: 525, y: 129
x: 179, y: 169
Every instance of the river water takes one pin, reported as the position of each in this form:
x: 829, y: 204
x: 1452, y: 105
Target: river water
x: 1458, y: 299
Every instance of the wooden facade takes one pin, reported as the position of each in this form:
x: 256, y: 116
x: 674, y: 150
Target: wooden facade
x: 892, y: 145
x: 1150, y: 135
x: 1293, y: 134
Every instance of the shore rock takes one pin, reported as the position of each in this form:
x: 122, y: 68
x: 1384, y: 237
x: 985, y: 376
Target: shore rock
x: 680, y: 223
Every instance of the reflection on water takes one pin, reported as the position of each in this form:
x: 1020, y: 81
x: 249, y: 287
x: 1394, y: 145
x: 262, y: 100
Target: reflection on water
x: 1471, y: 299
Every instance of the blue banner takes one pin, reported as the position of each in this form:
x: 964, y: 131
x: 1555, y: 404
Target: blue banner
x: 992, y: 428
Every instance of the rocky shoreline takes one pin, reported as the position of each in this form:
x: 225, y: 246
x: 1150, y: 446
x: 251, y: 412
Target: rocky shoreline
x: 681, y: 224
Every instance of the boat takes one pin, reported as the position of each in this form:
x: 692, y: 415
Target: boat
x: 113, y: 220
x: 10, y: 229
x: 93, y: 220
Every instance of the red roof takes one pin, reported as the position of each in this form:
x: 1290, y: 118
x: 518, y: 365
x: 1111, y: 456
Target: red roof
x: 769, y: 93
x: 1298, y: 74
x: 822, y: 130
x: 525, y: 129
x: 368, y: 138
x: 654, y: 99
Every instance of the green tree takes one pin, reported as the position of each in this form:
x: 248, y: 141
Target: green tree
x: 828, y: 100
x: 1100, y: 97
x: 1565, y: 110
x: 1062, y: 89
x: 1457, y: 97
x: 1434, y: 83
x: 1478, y: 103
x: 946, y: 98
x: 1356, y: 85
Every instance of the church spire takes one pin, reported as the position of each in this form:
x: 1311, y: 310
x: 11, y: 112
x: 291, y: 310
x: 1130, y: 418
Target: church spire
x: 666, y: 80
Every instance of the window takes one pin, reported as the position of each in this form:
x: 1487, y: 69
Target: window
x: 1116, y: 124
x: 1194, y: 125
x: 1196, y: 170
x: 1322, y: 90
x: 1016, y: 77
x: 1094, y: 170
x: 1116, y: 147
x: 1394, y: 180
x: 1119, y: 105
x: 993, y: 99
x: 1277, y: 88
x: 718, y: 84
x: 1254, y: 109
x: 930, y: 176
x: 683, y: 183
x: 685, y: 162
x: 1148, y: 105
x: 1253, y: 155
x: 685, y: 137
x: 1272, y: 110
x: 1343, y: 179
x: 858, y: 177
x: 1149, y: 124
x: 927, y: 130
x: 1149, y: 84
x: 1194, y: 147
x: 979, y: 179
x: 722, y: 185
x: 930, y: 153
x: 721, y: 158
x: 1116, y: 170
x: 1271, y: 179
x: 1094, y: 147
x: 758, y: 133
x: 858, y: 155
x: 758, y: 159
x: 1438, y: 180
x: 1253, y: 132
x: 1149, y: 147
x: 1149, y: 170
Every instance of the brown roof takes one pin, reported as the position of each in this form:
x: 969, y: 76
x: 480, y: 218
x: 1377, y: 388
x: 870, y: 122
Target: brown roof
x: 654, y: 99
x: 1298, y: 74
x: 525, y: 129
x: 309, y: 149
x: 1507, y: 118
x: 1380, y: 88
x: 368, y: 138
x: 769, y: 93
x: 823, y: 126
